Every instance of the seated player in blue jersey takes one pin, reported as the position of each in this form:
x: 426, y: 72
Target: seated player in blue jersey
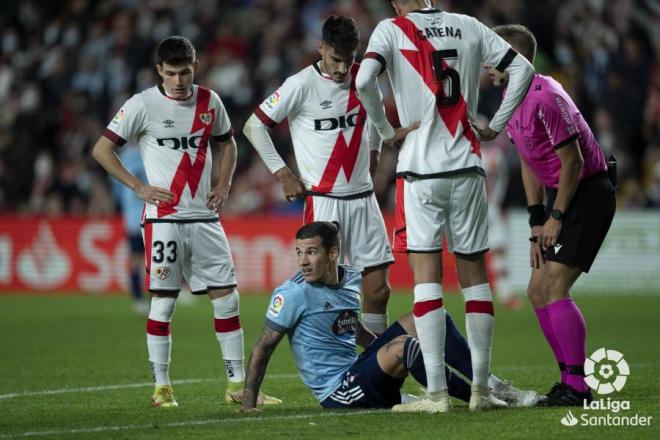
x: 318, y: 309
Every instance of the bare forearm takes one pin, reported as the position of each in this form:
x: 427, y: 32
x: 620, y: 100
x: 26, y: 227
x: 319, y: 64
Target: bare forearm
x: 223, y: 169
x: 255, y: 373
x: 363, y: 337
x: 533, y: 189
x: 106, y: 156
x: 569, y: 177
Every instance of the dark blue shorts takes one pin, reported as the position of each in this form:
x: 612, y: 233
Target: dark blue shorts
x: 136, y: 244
x: 365, y: 385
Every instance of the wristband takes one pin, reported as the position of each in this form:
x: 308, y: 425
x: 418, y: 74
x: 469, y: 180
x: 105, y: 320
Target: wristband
x: 536, y: 215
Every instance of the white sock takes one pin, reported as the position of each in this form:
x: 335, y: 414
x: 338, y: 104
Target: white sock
x: 159, y: 338
x: 430, y: 322
x: 229, y: 333
x: 479, y: 323
x: 375, y: 322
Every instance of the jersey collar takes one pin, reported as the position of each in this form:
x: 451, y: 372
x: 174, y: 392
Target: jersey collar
x: 162, y: 91
x: 318, y: 70
x: 425, y: 11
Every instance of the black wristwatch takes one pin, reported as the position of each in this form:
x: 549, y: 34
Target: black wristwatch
x: 557, y: 214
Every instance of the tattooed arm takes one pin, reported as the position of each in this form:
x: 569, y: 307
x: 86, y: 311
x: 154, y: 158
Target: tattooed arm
x: 256, y: 370
x: 363, y: 336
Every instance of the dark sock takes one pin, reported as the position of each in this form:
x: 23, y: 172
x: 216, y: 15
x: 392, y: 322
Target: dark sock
x: 457, y: 351
x: 457, y: 386
x: 414, y: 362
x: 391, y: 332
x: 136, y: 284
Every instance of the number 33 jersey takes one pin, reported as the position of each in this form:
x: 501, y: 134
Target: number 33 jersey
x: 173, y: 136
x: 329, y: 129
x: 434, y: 60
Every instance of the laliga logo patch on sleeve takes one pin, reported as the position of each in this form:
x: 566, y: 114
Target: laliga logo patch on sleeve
x: 276, y: 305
x: 119, y: 116
x: 273, y: 100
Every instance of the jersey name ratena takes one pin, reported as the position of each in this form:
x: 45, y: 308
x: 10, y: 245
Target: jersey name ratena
x: 444, y: 32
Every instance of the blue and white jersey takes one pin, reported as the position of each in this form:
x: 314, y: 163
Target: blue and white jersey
x: 131, y: 205
x: 321, y: 322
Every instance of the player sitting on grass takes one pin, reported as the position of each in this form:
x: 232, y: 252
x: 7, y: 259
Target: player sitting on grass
x: 318, y: 308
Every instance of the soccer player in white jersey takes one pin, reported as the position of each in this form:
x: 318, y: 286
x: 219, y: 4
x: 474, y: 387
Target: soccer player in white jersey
x: 336, y: 149
x: 187, y: 145
x: 434, y: 60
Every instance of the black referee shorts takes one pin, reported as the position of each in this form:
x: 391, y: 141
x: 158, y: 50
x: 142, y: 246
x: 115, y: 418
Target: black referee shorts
x: 585, y: 223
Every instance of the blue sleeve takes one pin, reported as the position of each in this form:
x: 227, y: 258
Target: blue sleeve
x: 286, y: 306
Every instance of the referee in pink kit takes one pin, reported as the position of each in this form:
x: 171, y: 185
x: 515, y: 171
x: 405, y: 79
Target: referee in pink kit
x: 562, y: 162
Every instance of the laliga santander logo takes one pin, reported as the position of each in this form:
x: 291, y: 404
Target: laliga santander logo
x: 606, y: 371
x: 569, y: 419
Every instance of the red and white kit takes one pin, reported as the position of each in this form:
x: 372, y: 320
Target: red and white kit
x: 332, y: 140
x: 434, y: 60
x: 183, y: 237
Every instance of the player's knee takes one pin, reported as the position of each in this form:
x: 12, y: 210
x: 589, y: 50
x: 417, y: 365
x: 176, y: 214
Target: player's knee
x: 536, y: 293
x: 162, y: 308
x: 226, y: 306
x: 411, y: 352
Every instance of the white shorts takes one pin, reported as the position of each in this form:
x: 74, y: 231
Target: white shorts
x: 197, y: 251
x: 364, y: 240
x: 453, y: 207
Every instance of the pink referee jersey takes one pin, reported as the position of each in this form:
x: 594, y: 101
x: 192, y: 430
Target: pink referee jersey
x: 546, y: 120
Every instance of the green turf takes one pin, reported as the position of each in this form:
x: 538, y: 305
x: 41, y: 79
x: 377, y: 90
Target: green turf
x: 54, y: 343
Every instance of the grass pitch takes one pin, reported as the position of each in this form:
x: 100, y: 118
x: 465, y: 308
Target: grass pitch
x: 76, y: 367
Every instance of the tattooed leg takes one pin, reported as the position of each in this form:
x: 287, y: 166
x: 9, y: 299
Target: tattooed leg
x: 391, y: 357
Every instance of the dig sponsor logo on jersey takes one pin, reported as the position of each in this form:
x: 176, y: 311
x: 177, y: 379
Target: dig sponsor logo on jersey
x: 183, y: 142
x: 328, y: 124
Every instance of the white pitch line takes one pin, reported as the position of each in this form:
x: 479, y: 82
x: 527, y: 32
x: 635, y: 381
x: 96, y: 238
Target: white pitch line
x: 123, y: 386
x: 191, y: 423
x: 270, y: 376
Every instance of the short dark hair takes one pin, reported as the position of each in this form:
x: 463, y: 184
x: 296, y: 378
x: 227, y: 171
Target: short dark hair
x: 520, y: 38
x: 175, y: 50
x: 342, y: 34
x: 328, y: 232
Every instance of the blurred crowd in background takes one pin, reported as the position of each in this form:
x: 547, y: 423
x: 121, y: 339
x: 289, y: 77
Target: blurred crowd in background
x: 66, y: 67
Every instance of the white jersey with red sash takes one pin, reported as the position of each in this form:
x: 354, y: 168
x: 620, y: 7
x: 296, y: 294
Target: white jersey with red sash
x: 173, y: 138
x: 329, y: 130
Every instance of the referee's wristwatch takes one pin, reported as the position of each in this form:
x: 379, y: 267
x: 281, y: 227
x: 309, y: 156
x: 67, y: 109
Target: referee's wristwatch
x: 557, y: 214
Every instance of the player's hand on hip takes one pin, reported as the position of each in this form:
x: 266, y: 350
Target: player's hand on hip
x: 400, y: 135
x: 153, y: 194
x: 217, y: 197
x: 292, y: 186
x: 550, y: 235
x: 536, y: 258
x: 485, y: 134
